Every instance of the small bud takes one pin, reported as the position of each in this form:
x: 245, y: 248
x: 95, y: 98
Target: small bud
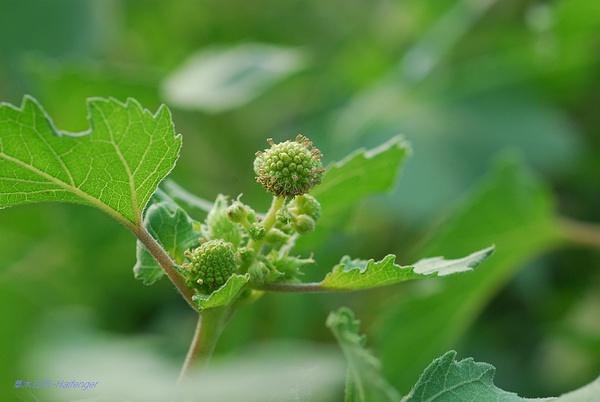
x: 276, y: 237
x: 256, y: 231
x: 306, y: 204
x: 289, y: 168
x: 237, y: 212
x: 304, y: 224
x: 246, y: 257
x: 210, y: 265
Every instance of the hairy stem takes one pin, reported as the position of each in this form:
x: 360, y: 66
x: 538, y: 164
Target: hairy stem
x: 165, y: 262
x: 269, y: 219
x: 208, y: 330
x: 310, y: 287
x: 587, y: 234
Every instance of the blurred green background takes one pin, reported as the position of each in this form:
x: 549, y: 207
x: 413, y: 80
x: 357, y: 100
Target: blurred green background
x: 498, y: 99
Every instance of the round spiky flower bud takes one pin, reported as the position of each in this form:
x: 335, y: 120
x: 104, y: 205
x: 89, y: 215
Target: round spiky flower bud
x: 210, y: 265
x: 289, y: 168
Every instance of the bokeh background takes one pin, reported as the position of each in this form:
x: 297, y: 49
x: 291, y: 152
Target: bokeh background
x: 499, y: 100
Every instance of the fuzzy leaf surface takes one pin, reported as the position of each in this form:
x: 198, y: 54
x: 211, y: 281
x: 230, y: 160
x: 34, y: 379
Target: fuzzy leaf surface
x: 116, y: 165
x: 173, y: 228
x: 225, y: 295
x: 360, y: 174
x: 364, y: 274
x: 364, y: 381
x: 446, y: 379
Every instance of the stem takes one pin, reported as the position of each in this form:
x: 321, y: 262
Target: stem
x: 309, y: 287
x: 208, y: 330
x: 269, y: 220
x: 584, y: 233
x: 165, y: 262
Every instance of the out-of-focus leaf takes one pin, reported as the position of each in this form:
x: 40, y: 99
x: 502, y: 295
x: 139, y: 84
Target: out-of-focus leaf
x: 220, y: 79
x: 173, y: 228
x: 182, y: 195
x: 586, y: 393
x: 511, y: 209
x: 364, y: 381
x: 446, y: 379
x: 225, y: 295
x: 63, y: 87
x: 115, y: 166
x: 360, y: 174
x: 365, y: 274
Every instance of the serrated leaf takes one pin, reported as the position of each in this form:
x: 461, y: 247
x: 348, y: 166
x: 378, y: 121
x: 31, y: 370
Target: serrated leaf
x: 173, y: 228
x: 360, y: 174
x: 364, y: 274
x: 220, y: 79
x: 115, y: 166
x: 446, y: 379
x: 225, y: 295
x: 364, y: 381
x: 511, y: 209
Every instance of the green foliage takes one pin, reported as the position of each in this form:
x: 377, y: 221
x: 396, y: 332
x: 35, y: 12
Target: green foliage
x: 116, y: 165
x: 359, y: 175
x: 364, y: 382
x: 364, y: 274
x: 173, y: 228
x: 445, y: 379
x: 225, y: 295
x: 510, y: 208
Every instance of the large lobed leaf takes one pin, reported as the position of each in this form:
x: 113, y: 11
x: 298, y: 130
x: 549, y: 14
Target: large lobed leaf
x: 115, y: 165
x: 364, y: 274
x: 364, y: 382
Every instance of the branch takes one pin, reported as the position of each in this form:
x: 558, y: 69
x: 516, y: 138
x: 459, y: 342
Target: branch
x: 165, y: 262
x: 208, y: 330
x: 309, y: 287
x: 584, y: 233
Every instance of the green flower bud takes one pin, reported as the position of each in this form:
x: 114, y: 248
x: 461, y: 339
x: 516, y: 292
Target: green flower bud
x: 304, y: 224
x: 210, y: 265
x: 289, y: 168
x: 276, y: 237
x: 306, y: 204
x: 237, y: 212
x: 256, y: 231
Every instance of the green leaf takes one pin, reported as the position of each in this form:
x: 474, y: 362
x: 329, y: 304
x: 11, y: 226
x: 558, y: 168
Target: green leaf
x: 115, y: 166
x: 446, y: 379
x: 219, y: 226
x: 225, y: 295
x: 364, y: 382
x: 173, y: 228
x: 360, y: 174
x: 511, y: 209
x: 364, y: 274
x: 219, y: 79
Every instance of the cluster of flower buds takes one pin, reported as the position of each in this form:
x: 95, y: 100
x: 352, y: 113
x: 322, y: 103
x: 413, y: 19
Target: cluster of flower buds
x: 236, y: 239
